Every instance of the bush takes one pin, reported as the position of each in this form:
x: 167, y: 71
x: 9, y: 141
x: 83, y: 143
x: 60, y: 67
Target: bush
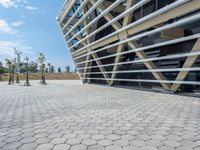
x: 2, y: 70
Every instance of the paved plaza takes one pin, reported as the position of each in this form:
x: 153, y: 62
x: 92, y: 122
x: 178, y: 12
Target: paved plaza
x: 67, y: 115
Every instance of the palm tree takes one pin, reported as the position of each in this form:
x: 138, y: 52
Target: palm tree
x: 9, y: 65
x: 27, y: 70
x: 41, y: 60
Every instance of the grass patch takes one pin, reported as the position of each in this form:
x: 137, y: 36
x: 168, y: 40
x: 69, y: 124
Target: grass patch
x: 52, y: 76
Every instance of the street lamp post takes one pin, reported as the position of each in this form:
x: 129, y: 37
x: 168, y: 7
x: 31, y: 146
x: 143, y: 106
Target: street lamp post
x: 18, y: 53
x: 27, y: 70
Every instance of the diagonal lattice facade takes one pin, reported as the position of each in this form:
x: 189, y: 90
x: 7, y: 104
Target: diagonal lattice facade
x: 142, y: 43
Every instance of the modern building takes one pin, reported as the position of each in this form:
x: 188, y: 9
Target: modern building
x: 137, y: 43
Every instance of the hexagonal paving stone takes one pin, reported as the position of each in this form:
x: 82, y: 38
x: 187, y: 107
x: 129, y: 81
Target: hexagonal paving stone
x: 105, y: 142
x: 28, y: 140
x: 166, y: 148
x: 89, y: 142
x: 27, y: 135
x: 131, y: 148
x: 58, y: 141
x: 148, y: 148
x: 14, y: 134
x: 2, y: 144
x: 92, y: 132
x: 13, y: 139
x: 127, y: 137
x: 4, y: 133
x: 143, y: 137
x: 158, y: 137
x: 113, y: 137
x: 119, y: 132
x: 154, y: 143
x: 184, y: 148
x: 159, y: 132
x: 73, y: 141
x: 133, y: 132
x: 69, y: 136
x: 55, y: 135
x: 12, y: 146
x: 171, y: 143
x: 113, y: 147
x: 78, y: 132
x: 106, y: 132
x: 42, y: 140
x: 95, y: 147
x: 78, y: 147
x: 46, y: 146
x: 41, y: 135
x: 173, y: 138
x: 138, y: 143
x: 61, y: 147
x: 3, y: 138
x: 188, y: 143
x: 121, y: 142
x: 98, y: 136
x: 29, y: 146
x: 197, y: 143
x: 84, y: 136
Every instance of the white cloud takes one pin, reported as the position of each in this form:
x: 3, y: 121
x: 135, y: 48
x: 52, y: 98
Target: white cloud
x: 6, y: 3
x: 18, y: 23
x: 6, y: 28
x: 11, y: 3
x: 31, y: 8
x: 7, y: 48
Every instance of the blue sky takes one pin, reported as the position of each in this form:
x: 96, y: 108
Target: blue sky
x: 31, y: 27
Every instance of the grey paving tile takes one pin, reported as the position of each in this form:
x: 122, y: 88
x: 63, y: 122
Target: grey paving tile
x: 113, y: 147
x: 58, y: 141
x: 171, y: 143
x: 42, y: 140
x: 138, y: 143
x: 96, y: 147
x: 2, y: 144
x: 84, y: 136
x: 12, y: 146
x: 34, y: 117
x: 29, y: 146
x: 148, y: 148
x: 13, y: 139
x: 105, y: 142
x: 113, y: 137
x: 28, y: 140
x: 46, y: 146
x: 73, y: 141
x: 121, y: 142
x: 98, y: 137
x: 78, y: 147
x: 158, y: 137
x: 131, y: 148
x: 89, y: 142
x: 61, y: 147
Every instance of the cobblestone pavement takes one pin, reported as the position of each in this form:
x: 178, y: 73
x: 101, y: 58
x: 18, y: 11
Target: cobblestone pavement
x: 69, y: 115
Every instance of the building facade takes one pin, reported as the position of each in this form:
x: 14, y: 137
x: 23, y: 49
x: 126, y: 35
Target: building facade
x: 138, y: 43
